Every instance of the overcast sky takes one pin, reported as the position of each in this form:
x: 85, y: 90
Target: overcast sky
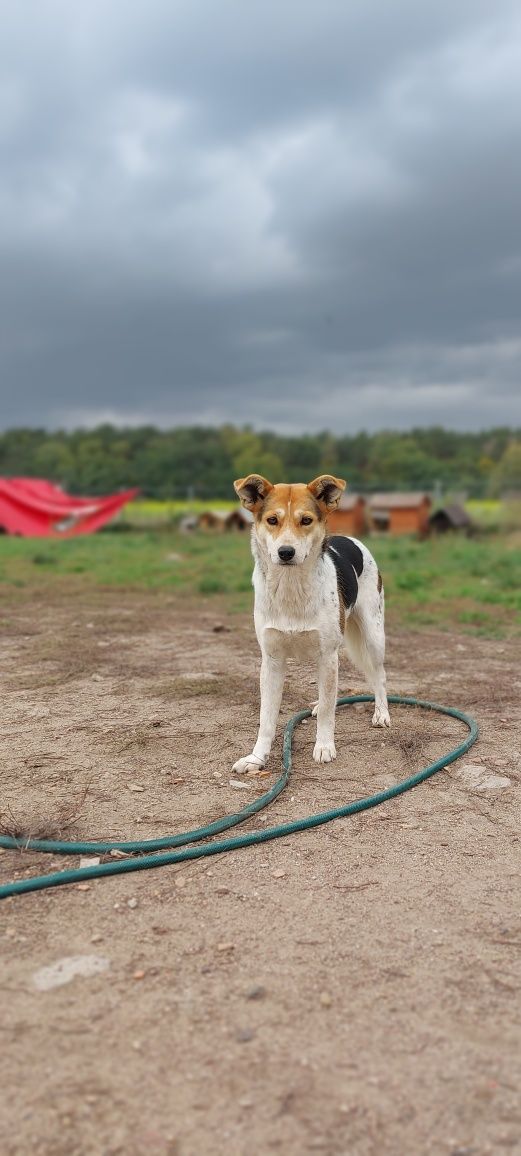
x: 302, y: 214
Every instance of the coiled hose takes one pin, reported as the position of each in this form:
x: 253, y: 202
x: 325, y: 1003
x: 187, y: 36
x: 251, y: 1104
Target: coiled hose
x: 139, y: 852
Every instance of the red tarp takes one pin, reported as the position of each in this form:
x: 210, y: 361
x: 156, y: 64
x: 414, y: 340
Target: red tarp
x: 38, y: 509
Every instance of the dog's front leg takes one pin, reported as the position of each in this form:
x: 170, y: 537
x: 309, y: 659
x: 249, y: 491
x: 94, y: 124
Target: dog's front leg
x: 325, y: 749
x: 273, y: 670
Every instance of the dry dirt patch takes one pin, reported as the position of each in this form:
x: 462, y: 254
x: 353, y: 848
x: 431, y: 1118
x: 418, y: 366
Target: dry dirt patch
x: 354, y: 990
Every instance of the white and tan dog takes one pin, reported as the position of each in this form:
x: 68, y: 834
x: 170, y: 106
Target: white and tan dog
x: 313, y: 593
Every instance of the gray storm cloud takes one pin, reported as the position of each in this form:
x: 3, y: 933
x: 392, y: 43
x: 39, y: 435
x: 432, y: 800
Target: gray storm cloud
x: 295, y: 215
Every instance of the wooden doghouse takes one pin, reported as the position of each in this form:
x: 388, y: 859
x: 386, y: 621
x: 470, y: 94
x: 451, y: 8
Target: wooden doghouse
x: 239, y: 519
x: 399, y: 513
x: 453, y: 517
x: 225, y: 520
x: 349, y: 516
x: 212, y: 520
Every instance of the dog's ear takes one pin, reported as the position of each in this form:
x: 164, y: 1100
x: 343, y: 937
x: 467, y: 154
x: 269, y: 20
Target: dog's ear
x: 252, y: 491
x: 327, y: 490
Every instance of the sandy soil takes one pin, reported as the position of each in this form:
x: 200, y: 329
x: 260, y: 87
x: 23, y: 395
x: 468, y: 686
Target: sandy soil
x: 354, y: 990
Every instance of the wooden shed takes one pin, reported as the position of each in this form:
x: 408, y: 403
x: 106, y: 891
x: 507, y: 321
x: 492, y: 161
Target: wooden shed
x: 399, y: 513
x: 349, y: 516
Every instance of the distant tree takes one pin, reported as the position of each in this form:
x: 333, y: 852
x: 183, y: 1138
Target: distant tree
x: 249, y: 456
x: 17, y: 451
x: 265, y: 463
x: 507, y: 474
x: 397, y: 462
x: 53, y: 460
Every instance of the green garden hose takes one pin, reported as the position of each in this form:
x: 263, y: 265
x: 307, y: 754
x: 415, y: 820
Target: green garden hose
x: 141, y: 850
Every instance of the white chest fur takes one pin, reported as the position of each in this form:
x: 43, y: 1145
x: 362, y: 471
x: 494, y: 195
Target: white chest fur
x: 299, y: 603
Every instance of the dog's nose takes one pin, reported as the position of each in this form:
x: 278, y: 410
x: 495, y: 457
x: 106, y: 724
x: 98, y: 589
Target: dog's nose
x: 286, y: 553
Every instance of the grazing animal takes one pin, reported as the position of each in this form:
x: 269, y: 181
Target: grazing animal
x: 313, y: 593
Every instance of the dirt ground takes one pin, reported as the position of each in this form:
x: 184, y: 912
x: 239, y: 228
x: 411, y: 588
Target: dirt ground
x: 353, y: 990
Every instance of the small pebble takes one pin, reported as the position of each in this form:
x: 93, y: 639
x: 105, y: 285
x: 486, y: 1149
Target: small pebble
x: 132, y: 902
x: 136, y: 787
x: 325, y: 999
x: 257, y: 992
x: 139, y: 974
x: 278, y: 873
x: 225, y: 947
x: 244, y: 1035
x: 83, y: 887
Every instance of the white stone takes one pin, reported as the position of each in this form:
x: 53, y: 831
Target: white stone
x: 479, y: 778
x: 66, y: 969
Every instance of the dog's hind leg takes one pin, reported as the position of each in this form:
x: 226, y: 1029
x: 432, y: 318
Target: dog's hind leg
x: 273, y: 672
x: 364, y: 641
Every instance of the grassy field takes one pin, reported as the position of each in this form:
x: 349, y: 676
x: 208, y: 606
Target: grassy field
x: 468, y: 584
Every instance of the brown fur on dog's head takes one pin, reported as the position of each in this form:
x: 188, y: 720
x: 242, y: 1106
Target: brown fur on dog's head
x: 327, y: 490
x: 254, y: 490
x: 290, y: 514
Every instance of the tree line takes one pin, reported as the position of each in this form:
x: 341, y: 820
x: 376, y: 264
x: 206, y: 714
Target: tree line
x: 202, y: 462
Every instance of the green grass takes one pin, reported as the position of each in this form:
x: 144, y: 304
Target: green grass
x: 469, y: 584
x: 454, y: 581
x: 137, y: 560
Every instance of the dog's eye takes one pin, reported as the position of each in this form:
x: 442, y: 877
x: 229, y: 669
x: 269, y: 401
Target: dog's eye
x: 306, y: 521
x: 272, y: 521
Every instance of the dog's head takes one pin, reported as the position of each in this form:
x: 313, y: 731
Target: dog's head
x: 290, y: 520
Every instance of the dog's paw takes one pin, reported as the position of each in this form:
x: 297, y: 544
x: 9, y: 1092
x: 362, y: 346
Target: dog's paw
x: 248, y: 763
x: 381, y: 718
x: 324, y: 752
x: 314, y: 709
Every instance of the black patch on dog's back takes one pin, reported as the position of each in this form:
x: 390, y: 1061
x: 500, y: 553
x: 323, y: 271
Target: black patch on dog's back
x: 349, y: 563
